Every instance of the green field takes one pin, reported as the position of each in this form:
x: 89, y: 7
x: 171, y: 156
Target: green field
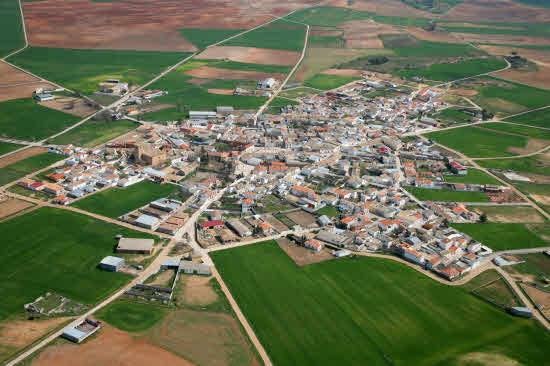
x: 502, y: 236
x: 327, y: 16
x: 14, y: 171
x: 537, y: 118
x: 25, y: 119
x: 426, y: 194
x: 532, y: 132
x: 531, y: 164
x: 279, y: 35
x: 367, y: 311
x: 93, y: 133
x: 477, y: 142
x: 454, y: 71
x: 6, y: 147
x: 11, y: 27
x: 329, y: 211
x: 132, y: 316
x: 204, y: 37
x: 234, y: 65
x: 328, y: 82
x: 56, y: 250
x: 474, y: 176
x: 115, y: 202
x: 90, y: 67
x: 453, y: 115
x: 536, y: 265
x: 407, y: 47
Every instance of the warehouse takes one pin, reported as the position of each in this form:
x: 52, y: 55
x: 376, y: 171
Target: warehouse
x: 195, y: 268
x: 135, y: 246
x: 148, y: 222
x: 81, y: 331
x: 202, y: 115
x: 111, y: 264
x: 238, y: 227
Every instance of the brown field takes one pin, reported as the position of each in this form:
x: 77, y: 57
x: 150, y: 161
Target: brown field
x: 364, y: 33
x: 11, y: 206
x: 15, y: 84
x: 480, y: 358
x: 383, y: 7
x: 302, y: 256
x: 343, y: 72
x: 221, y: 91
x: 20, y: 333
x: 502, y: 39
x: 20, y: 155
x: 141, y: 25
x: 197, y: 291
x: 75, y: 106
x: 302, y: 218
x: 208, y: 72
x: 250, y: 55
x: 541, y: 298
x: 496, y: 11
x: 10, y: 75
x: 109, y: 347
x: 517, y: 215
x: 542, y: 199
x: 278, y: 225
x: 433, y: 36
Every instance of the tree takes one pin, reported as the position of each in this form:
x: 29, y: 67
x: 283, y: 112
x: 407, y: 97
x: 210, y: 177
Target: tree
x: 483, y: 218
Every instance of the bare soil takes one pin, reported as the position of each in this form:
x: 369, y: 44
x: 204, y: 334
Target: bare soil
x: 10, y: 75
x: 503, y: 39
x: 532, y: 146
x: 343, y: 72
x: 197, y: 290
x: 11, y: 206
x: 277, y: 225
x: 364, y: 33
x: 20, y: 155
x: 302, y: 218
x: 75, y: 106
x: 539, y: 78
x: 15, y: 84
x: 207, y: 72
x: 251, y: 55
x: 21, y: 333
x: 162, y: 279
x: 383, y: 7
x: 435, y: 36
x: 221, y: 91
x: 542, y: 199
x: 302, y: 256
x: 497, y: 11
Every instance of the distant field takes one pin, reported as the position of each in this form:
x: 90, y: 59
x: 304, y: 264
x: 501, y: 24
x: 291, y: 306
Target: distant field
x: 426, y: 194
x: 526, y: 131
x: 203, y: 37
x: 380, y: 310
x: 132, y: 316
x: 234, y: 65
x: 474, y: 176
x: 27, y: 166
x: 327, y: 16
x: 478, y: 142
x: 415, y: 48
x: 499, y: 236
x: 115, y: 202
x: 278, y: 103
x: 510, y: 214
x: 90, y: 67
x: 279, y: 35
x: 538, y: 118
x: 93, y: 133
x: 6, y: 147
x: 328, y: 82
x: 11, y: 28
x: 453, y: 115
x: 531, y: 164
x: 25, y: 119
x: 454, y: 71
x: 56, y: 250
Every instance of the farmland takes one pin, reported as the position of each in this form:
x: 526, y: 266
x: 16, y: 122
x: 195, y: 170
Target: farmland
x: 56, y: 250
x: 474, y: 176
x: 6, y: 147
x: 203, y: 37
x: 510, y: 214
x: 278, y: 35
x: 11, y: 29
x: 453, y: 115
x: 328, y: 82
x: 531, y: 164
x: 93, y: 133
x: 26, y: 166
x: 90, y: 67
x: 502, y: 236
x: 132, y: 316
x: 426, y: 194
x: 454, y: 71
x: 115, y: 202
x: 25, y: 119
x: 371, y: 308
x: 537, y: 118
x: 535, y: 133
x: 326, y: 16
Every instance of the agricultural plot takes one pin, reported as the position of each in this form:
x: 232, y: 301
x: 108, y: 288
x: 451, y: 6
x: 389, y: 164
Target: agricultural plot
x: 327, y: 16
x: 56, y: 250
x: 328, y: 82
x: 204, y: 37
x: 536, y: 164
x: 6, y: 147
x: 132, y: 316
x: 474, y: 176
x: 535, y: 133
x: 115, y: 202
x: 278, y: 35
x: 19, y: 169
x: 25, y: 119
x: 371, y: 303
x: 537, y: 118
x: 453, y: 115
x: 534, y: 268
x: 446, y: 195
x: 454, y: 70
x: 90, y: 67
x: 510, y: 214
x: 491, y: 287
x: 93, y: 133
x: 11, y: 27
x: 503, y: 236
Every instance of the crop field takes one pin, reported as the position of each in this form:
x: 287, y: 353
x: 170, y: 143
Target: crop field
x: 243, y: 66
x: 203, y: 37
x: 503, y: 236
x: 453, y: 115
x: 531, y: 164
x: 6, y: 147
x: 327, y: 16
x: 132, y: 316
x: 56, y: 250
x: 454, y: 70
x: 115, y: 202
x: 19, y: 169
x: 11, y: 28
x: 537, y: 118
x: 370, y: 304
x: 329, y: 211
x: 25, y: 119
x: 90, y: 67
x: 478, y: 142
x: 328, y: 82
x: 535, y: 133
x: 93, y: 133
x: 278, y: 35
x: 510, y: 214
x: 411, y: 47
x: 474, y: 176
x: 426, y: 194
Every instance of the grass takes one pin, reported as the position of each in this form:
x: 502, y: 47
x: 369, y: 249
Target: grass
x: 278, y: 103
x: 519, y: 214
x: 474, y: 176
x: 25, y: 119
x: 6, y: 147
x: 274, y: 204
x: 477, y: 142
x: 418, y: 48
x: 56, y: 250
x: 426, y: 194
x: 536, y: 265
x: 279, y: 35
x: 19, y: 169
x: 535, y: 133
x: 537, y: 118
x: 329, y: 211
x: 203, y: 37
x: 243, y: 66
x: 132, y: 316
x: 494, y: 289
x: 11, y: 27
x: 530, y: 164
x: 327, y: 16
x: 328, y: 82
x: 298, y: 92
x: 93, y: 133
x: 361, y: 311
x: 90, y: 67
x: 115, y: 202
x: 502, y: 236
x: 455, y: 70
x: 453, y: 115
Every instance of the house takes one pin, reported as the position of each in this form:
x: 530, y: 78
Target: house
x: 148, y: 222
x: 202, y: 115
x: 314, y: 245
x: 78, y: 333
x: 458, y: 168
x: 135, y: 246
x: 239, y: 228
x: 111, y: 264
x: 212, y: 224
x: 189, y: 267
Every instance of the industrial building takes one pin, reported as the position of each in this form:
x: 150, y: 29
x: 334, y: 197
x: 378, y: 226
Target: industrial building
x: 111, y: 264
x: 81, y: 331
x: 135, y: 246
x: 239, y: 228
x: 195, y: 268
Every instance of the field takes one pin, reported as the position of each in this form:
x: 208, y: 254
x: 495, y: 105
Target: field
x: 491, y: 287
x: 56, y: 250
x: 453, y: 115
x: 535, y: 268
x: 6, y: 147
x: 132, y: 316
x: 537, y: 118
x: 474, y: 176
x: 329, y: 211
x: 535, y: 133
x: 11, y: 29
x: 328, y: 82
x: 499, y: 236
x: 326, y: 16
x: 510, y: 214
x: 478, y: 142
x: 203, y: 37
x: 531, y: 164
x: 426, y: 194
x: 25, y: 119
x: 278, y: 35
x: 93, y: 133
x: 19, y: 169
x: 370, y: 304
x: 454, y: 71
x: 115, y: 202
x: 90, y: 67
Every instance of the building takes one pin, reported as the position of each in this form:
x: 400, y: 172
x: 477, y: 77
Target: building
x: 267, y: 84
x: 111, y: 264
x: 81, y: 331
x: 135, y: 246
x: 314, y: 245
x: 113, y: 86
x: 239, y: 228
x: 202, y: 115
x: 458, y: 168
x: 189, y: 267
x: 212, y: 224
x: 148, y: 222
x: 43, y: 97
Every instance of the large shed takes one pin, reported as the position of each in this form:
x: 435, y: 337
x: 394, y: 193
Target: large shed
x: 135, y: 246
x: 111, y: 264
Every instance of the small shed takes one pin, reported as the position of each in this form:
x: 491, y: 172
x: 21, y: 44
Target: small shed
x: 111, y: 264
